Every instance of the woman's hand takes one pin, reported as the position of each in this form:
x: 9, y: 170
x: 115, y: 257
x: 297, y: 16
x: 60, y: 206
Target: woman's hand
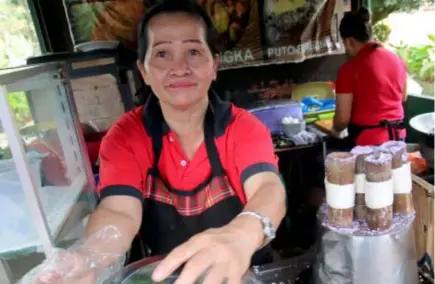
x: 60, y: 279
x: 66, y: 268
x: 226, y: 252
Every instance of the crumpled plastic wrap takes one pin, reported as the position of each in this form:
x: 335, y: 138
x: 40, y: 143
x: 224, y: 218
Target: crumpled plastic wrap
x: 359, y: 255
x: 304, y: 138
x: 88, y: 256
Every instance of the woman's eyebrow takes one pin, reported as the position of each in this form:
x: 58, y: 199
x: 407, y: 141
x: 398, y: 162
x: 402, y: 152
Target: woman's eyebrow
x: 160, y: 43
x: 184, y: 41
x: 192, y: 41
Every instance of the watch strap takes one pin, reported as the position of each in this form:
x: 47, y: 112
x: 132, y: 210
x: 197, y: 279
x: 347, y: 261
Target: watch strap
x: 268, y: 229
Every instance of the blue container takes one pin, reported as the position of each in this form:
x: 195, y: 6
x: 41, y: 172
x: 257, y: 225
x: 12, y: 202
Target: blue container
x: 271, y: 112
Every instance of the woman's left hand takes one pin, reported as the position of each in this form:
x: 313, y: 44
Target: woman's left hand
x: 226, y: 252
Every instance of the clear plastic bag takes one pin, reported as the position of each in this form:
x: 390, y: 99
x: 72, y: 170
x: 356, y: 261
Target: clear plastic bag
x: 90, y: 258
x: 140, y: 272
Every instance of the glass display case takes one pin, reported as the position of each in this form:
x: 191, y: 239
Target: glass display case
x: 46, y: 182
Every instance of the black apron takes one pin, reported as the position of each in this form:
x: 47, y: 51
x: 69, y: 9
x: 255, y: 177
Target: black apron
x: 393, y: 128
x: 172, y: 216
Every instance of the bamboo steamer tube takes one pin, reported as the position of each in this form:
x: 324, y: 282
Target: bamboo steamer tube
x: 379, y: 193
x: 360, y: 152
x: 340, y: 188
x: 402, y: 177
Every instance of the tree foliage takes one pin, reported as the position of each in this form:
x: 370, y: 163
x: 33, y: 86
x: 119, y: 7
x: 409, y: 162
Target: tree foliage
x: 17, y: 34
x: 382, y: 8
x: 381, y: 32
x: 420, y: 59
x: 17, y: 42
x: 20, y: 107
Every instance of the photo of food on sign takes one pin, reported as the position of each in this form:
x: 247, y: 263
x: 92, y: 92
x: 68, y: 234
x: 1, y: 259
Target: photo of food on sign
x: 230, y: 19
x: 297, y: 29
x: 237, y: 24
x: 105, y: 20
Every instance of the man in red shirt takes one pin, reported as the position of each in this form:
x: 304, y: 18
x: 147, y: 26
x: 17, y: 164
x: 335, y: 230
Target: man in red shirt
x: 371, y: 88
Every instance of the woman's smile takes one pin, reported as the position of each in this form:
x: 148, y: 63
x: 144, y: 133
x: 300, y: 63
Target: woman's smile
x: 181, y: 85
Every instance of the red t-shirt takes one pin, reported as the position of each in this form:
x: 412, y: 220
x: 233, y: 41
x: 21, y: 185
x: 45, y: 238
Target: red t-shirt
x: 93, y: 144
x: 376, y: 78
x: 244, y: 144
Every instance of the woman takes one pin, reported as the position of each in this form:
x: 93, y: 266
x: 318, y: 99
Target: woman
x: 202, y: 171
x: 370, y: 89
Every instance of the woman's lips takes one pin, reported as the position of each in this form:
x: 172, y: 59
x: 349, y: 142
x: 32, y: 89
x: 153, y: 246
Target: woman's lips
x: 180, y: 85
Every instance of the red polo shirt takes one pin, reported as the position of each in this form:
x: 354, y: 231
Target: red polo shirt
x: 377, y: 79
x: 244, y: 144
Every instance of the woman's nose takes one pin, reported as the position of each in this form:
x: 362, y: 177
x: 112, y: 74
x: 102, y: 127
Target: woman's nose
x: 180, y: 67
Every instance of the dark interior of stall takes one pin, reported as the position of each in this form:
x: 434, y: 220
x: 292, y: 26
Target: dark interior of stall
x: 301, y: 168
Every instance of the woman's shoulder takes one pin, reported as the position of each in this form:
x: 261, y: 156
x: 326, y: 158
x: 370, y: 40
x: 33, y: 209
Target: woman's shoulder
x: 394, y: 57
x: 244, y: 120
x: 347, y: 67
x: 345, y: 77
x: 127, y: 124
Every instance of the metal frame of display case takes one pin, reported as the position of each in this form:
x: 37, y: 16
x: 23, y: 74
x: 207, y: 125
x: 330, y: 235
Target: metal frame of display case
x: 46, y: 76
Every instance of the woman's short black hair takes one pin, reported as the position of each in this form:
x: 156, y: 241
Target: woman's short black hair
x: 357, y: 25
x: 170, y: 7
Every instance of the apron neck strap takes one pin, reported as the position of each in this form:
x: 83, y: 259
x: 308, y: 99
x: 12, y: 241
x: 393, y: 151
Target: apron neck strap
x: 210, y: 145
x: 157, y: 137
x: 212, y: 151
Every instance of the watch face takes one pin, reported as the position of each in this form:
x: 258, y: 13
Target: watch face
x: 269, y: 231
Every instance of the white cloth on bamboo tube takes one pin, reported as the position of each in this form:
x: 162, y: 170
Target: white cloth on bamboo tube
x: 340, y: 196
x: 402, y: 179
x: 360, y: 180
x: 379, y: 194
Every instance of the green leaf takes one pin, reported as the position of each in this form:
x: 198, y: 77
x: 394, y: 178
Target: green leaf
x: 418, y: 59
x: 20, y: 106
x: 427, y: 71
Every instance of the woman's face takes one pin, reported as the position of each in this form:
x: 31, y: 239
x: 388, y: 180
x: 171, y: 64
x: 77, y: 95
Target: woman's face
x: 179, y: 66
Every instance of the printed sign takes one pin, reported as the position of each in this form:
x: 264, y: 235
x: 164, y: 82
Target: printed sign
x: 295, y: 30
x: 104, y: 20
x: 250, y: 32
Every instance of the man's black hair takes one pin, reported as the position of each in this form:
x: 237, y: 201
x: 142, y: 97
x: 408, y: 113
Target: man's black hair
x: 170, y: 7
x: 357, y: 25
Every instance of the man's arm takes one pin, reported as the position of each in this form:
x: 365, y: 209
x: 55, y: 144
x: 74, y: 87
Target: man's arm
x: 344, y: 89
x: 343, y: 111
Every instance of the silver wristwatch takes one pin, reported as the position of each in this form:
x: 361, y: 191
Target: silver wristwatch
x: 268, y: 229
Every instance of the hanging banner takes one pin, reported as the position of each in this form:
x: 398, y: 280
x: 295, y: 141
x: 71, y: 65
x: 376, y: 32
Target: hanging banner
x: 251, y: 32
x: 295, y: 30
x: 237, y: 24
